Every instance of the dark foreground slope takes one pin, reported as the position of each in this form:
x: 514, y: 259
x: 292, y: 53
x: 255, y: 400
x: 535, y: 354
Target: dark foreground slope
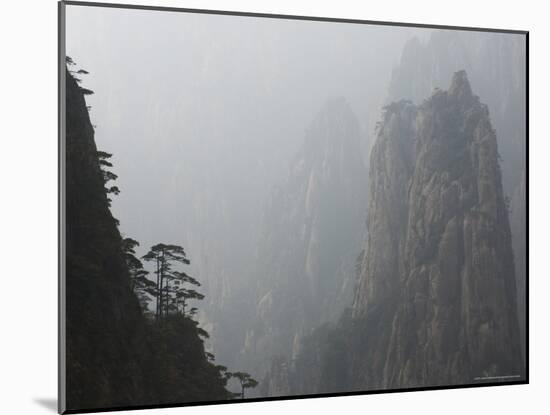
x: 115, y: 356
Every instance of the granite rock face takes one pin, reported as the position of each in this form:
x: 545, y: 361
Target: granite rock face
x: 311, y: 237
x: 494, y: 66
x: 437, y: 290
x: 392, y: 164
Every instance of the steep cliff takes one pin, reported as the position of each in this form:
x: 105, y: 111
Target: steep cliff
x: 495, y: 64
x: 312, y: 231
x: 114, y: 355
x: 104, y: 322
x: 392, y: 164
x: 437, y: 289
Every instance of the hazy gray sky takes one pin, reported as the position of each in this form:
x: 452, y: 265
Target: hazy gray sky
x: 204, y: 112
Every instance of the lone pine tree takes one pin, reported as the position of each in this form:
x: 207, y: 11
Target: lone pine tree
x: 245, y: 380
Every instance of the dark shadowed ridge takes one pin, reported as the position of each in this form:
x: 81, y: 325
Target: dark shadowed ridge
x: 115, y: 355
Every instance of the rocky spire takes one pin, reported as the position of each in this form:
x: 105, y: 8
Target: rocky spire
x: 460, y: 86
x: 439, y: 273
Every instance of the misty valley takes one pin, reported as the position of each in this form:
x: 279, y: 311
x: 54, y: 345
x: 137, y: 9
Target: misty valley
x: 278, y: 210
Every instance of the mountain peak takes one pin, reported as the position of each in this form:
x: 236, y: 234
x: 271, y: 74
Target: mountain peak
x: 460, y: 85
x: 434, y: 208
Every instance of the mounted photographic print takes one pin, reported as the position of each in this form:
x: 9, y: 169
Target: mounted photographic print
x: 257, y: 207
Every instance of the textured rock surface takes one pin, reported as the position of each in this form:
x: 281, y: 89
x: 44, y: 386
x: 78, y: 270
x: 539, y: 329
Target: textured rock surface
x: 392, y: 164
x: 437, y: 292
x: 310, y: 241
x: 494, y: 64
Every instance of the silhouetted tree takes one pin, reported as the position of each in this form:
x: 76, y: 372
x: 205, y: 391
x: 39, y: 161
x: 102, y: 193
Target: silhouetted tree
x: 108, y: 175
x: 225, y: 375
x: 164, y: 257
x: 142, y: 287
x: 245, y: 380
x: 86, y: 91
x: 182, y: 294
x: 70, y: 62
x: 106, y: 333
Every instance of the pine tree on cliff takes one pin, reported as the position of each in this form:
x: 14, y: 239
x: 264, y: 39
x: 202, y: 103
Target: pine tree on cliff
x: 181, y: 294
x: 164, y: 258
x: 245, y: 380
x: 108, y: 175
x: 142, y: 286
x: 114, y: 356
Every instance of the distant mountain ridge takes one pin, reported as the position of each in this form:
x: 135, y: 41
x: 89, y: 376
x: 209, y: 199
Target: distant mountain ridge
x: 309, y: 242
